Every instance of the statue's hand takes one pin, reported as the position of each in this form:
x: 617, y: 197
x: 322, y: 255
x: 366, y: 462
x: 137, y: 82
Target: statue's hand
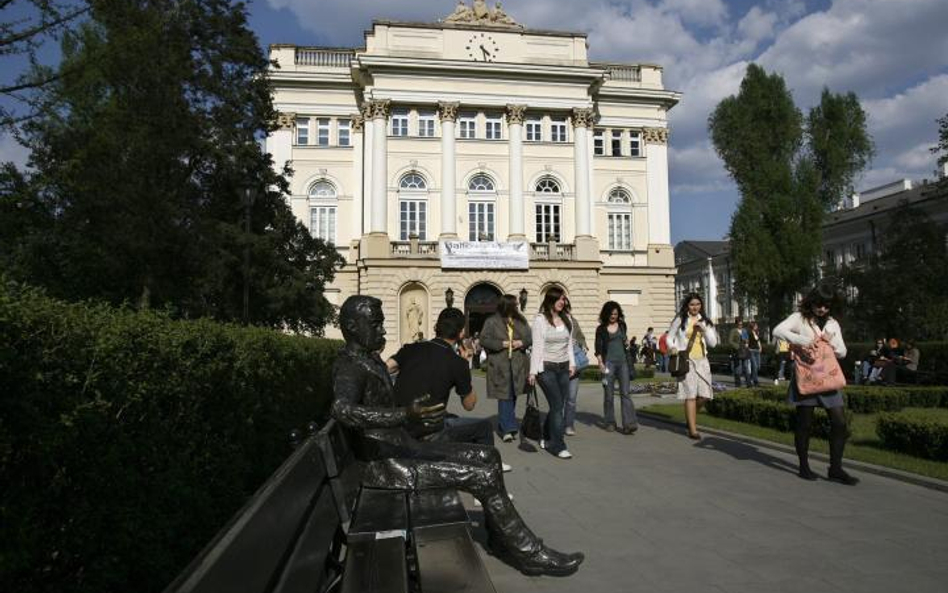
x: 425, y: 416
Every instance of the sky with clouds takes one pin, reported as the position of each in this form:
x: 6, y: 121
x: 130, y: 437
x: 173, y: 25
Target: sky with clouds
x: 892, y: 53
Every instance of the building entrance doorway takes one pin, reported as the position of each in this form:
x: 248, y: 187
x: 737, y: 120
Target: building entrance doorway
x: 479, y: 304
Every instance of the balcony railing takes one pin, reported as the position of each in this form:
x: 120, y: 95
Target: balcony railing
x: 623, y: 72
x: 324, y: 58
x: 551, y: 251
x: 429, y: 250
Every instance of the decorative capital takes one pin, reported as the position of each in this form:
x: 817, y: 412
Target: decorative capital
x: 448, y: 111
x: 286, y: 121
x: 656, y: 135
x: 583, y: 118
x: 358, y: 122
x: 377, y: 109
x: 515, y: 114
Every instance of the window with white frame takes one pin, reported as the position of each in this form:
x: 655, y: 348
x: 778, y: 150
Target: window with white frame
x: 599, y: 142
x: 413, y: 218
x: 492, y: 128
x: 400, y: 122
x: 635, y: 143
x: 548, y: 223
x: 481, y: 221
x: 302, y: 131
x: 619, y: 195
x: 426, y: 124
x: 620, y: 231
x: 467, y: 125
x: 558, y: 130
x: 343, y: 130
x: 547, y: 185
x: 322, y: 223
x: 616, y: 142
x: 480, y: 183
x: 322, y: 131
x: 534, y: 130
x: 412, y: 182
x: 322, y: 189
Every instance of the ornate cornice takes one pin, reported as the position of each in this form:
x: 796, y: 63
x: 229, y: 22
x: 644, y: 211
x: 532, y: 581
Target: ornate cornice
x: 515, y: 114
x: 583, y: 117
x: 377, y: 109
x: 358, y: 122
x: 448, y: 111
x: 286, y: 121
x: 655, y: 135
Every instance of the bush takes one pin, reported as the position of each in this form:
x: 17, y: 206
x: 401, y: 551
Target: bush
x: 866, y: 399
x: 918, y: 432
x: 745, y: 405
x: 128, y: 439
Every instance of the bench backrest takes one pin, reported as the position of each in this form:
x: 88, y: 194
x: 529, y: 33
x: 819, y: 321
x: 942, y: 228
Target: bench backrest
x: 343, y: 470
x: 281, y: 541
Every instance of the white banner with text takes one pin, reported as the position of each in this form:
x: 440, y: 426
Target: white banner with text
x: 485, y: 255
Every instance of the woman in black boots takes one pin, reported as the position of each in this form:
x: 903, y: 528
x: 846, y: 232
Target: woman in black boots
x: 804, y: 328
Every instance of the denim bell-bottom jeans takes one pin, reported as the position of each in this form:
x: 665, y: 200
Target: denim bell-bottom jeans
x: 554, y: 381
x: 620, y: 371
x: 507, y: 410
x: 570, y: 412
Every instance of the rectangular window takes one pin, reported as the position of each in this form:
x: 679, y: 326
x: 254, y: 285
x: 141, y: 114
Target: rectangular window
x: 481, y: 221
x: 534, y: 130
x: 468, y: 126
x: 322, y: 131
x: 322, y: 223
x: 426, y: 124
x: 616, y: 142
x: 558, y: 131
x: 400, y: 123
x: 302, y: 131
x: 413, y: 218
x: 492, y: 130
x: 344, y: 128
x: 620, y: 231
x: 599, y: 142
x: 635, y: 143
x: 548, y: 223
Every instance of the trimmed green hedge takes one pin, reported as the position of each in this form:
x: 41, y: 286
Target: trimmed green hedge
x: 869, y: 399
x: 923, y: 433
x: 128, y: 439
x: 748, y: 406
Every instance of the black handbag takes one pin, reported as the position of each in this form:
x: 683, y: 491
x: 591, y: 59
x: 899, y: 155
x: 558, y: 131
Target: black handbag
x: 531, y: 427
x: 679, y: 365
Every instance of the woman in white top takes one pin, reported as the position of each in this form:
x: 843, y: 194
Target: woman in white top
x: 802, y: 329
x: 552, y: 365
x: 692, y: 326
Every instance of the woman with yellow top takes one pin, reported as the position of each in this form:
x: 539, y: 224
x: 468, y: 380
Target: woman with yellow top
x: 692, y: 327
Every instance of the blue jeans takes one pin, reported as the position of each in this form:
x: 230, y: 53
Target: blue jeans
x: 741, y: 369
x: 754, y: 361
x: 507, y: 411
x: 570, y: 411
x: 554, y: 381
x: 620, y: 371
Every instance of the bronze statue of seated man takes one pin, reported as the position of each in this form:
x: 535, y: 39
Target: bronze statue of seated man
x: 364, y: 403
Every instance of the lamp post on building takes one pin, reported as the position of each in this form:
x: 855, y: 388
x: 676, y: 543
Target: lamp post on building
x: 449, y: 298
x: 523, y: 299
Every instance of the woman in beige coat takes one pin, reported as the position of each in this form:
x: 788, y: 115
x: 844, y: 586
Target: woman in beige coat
x: 505, y: 337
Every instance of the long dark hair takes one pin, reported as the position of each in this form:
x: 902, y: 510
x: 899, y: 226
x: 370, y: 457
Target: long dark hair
x: 824, y: 293
x: 683, y: 309
x: 553, y: 294
x: 507, y: 307
x: 606, y: 311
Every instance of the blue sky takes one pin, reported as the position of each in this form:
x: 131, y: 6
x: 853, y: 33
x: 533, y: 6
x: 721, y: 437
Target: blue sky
x: 892, y: 53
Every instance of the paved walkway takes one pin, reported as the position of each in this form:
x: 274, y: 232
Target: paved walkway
x: 658, y: 512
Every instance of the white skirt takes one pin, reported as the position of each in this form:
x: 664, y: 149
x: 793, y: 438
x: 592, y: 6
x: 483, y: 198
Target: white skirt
x: 697, y: 383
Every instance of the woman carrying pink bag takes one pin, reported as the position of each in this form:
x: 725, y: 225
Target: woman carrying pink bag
x: 812, y: 332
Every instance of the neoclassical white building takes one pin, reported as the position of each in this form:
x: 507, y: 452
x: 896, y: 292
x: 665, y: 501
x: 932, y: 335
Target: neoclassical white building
x: 458, y: 160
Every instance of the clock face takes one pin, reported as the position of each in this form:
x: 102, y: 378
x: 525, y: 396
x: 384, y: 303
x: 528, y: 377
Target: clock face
x: 481, y: 47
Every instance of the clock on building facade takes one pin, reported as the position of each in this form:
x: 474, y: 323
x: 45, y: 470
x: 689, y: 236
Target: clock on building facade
x: 482, y: 47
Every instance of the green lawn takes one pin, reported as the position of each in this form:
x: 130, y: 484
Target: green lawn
x: 863, y: 445
x: 593, y: 377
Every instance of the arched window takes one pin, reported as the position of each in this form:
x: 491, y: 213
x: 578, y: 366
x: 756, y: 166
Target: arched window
x: 619, y: 195
x: 412, y: 181
x: 481, y: 182
x: 547, y: 185
x: 322, y: 189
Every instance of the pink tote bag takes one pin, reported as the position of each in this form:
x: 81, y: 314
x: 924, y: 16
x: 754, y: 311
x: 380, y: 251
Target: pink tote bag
x: 817, y: 369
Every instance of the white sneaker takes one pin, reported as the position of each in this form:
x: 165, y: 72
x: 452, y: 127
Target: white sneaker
x: 776, y: 381
x: 570, y: 432
x: 507, y: 438
x: 564, y: 454
x: 505, y: 467
x: 542, y: 444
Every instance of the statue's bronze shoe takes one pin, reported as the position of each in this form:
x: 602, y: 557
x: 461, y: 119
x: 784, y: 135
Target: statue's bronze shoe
x: 547, y: 561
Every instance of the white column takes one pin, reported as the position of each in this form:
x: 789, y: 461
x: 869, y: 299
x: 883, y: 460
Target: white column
x: 712, y: 297
x: 449, y: 205
x: 379, y: 216
x: 581, y: 121
x: 515, y: 131
x: 357, y: 137
x: 656, y: 152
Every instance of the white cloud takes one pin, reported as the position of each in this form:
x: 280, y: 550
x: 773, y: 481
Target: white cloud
x: 757, y: 25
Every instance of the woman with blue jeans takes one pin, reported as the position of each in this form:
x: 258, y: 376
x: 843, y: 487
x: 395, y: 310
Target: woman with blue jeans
x: 754, y: 346
x: 611, y: 346
x: 506, y: 337
x: 552, y: 365
x: 579, y: 341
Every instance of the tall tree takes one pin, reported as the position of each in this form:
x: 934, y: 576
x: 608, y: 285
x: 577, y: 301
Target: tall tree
x: 151, y: 167
x: 787, y: 175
